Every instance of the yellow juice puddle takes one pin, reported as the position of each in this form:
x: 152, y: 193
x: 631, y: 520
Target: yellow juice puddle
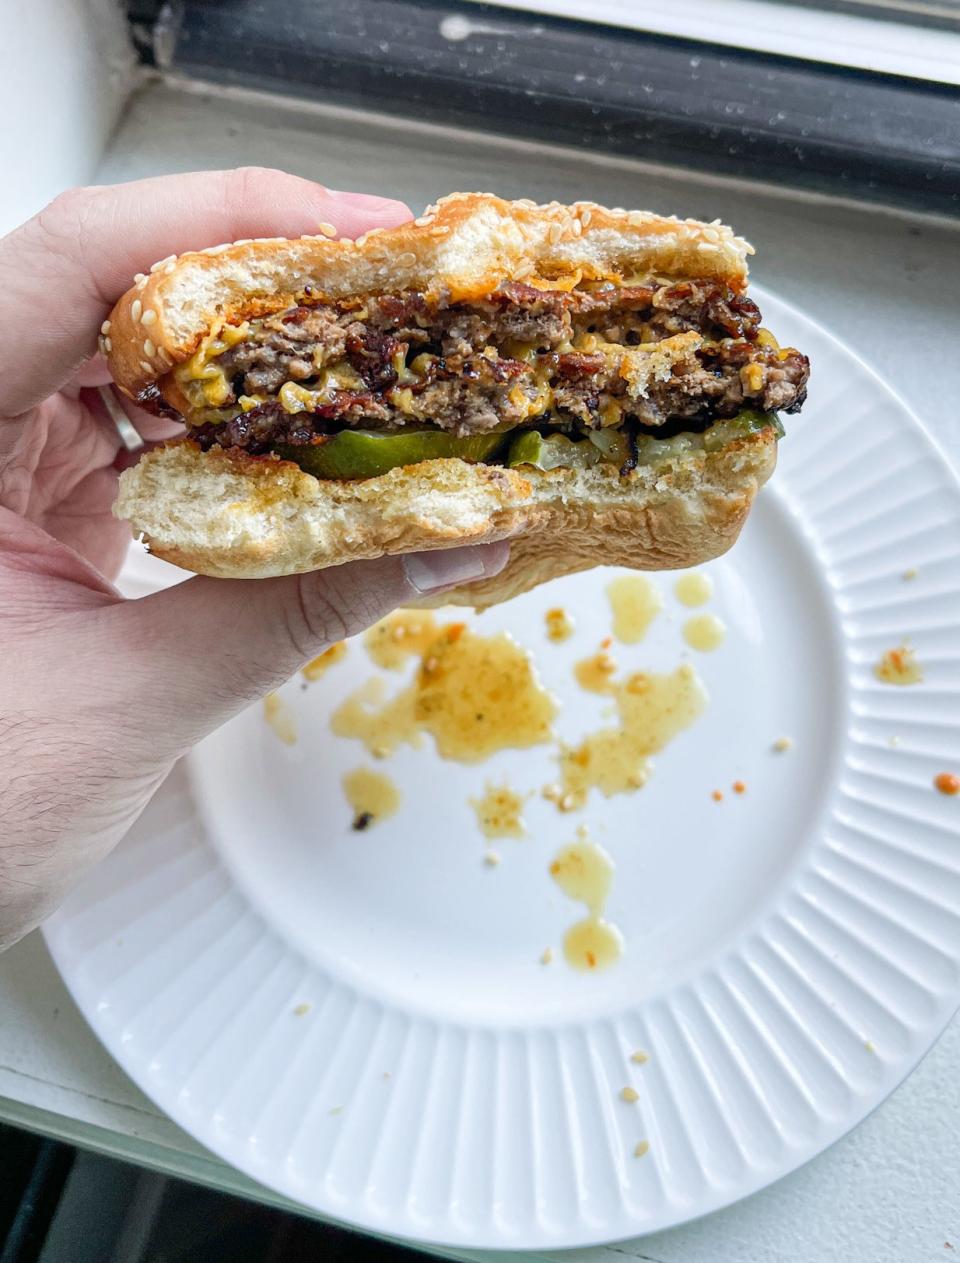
x: 280, y: 719
x: 474, y: 694
x: 595, y: 674
x: 322, y: 663
x: 584, y: 872
x: 371, y: 795
x: 480, y: 694
x: 381, y: 725
x: 652, y: 710
x: 592, y: 944
x: 500, y: 812
x: 560, y: 625
x: 399, y: 636
x: 693, y: 589
x: 704, y: 632
x: 899, y: 666
x: 635, y: 601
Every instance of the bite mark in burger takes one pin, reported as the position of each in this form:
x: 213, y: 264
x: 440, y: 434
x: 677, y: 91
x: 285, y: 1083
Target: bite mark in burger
x: 595, y: 383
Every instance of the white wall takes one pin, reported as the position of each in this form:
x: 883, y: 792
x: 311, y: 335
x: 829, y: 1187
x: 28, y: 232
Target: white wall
x: 66, y: 71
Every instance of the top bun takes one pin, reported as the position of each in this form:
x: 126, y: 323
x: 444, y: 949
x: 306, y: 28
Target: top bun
x: 462, y: 248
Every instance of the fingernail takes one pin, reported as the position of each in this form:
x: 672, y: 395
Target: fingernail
x: 448, y: 567
x: 362, y: 201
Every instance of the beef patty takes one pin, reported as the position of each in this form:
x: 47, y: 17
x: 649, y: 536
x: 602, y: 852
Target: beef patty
x: 523, y: 356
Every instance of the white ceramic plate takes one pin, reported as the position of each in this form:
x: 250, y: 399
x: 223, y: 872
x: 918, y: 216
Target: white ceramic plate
x: 790, y: 952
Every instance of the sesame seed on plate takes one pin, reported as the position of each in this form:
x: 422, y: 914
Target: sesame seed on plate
x: 327, y: 230
x: 630, y: 1095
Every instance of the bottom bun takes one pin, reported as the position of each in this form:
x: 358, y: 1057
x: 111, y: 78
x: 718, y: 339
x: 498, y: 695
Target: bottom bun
x: 232, y: 516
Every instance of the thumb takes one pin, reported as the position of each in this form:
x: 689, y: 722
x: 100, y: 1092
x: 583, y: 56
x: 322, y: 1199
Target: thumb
x: 189, y: 658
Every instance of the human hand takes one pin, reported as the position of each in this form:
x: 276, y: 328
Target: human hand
x: 100, y: 696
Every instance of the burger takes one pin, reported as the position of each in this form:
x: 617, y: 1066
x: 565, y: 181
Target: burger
x: 595, y: 384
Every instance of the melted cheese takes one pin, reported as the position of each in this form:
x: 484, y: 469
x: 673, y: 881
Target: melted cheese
x: 200, y: 379
x: 296, y: 398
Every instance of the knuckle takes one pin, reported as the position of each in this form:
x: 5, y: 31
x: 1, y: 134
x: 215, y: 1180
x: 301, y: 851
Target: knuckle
x: 65, y: 216
x: 318, y: 617
x: 250, y: 184
x: 332, y: 606
x: 58, y: 234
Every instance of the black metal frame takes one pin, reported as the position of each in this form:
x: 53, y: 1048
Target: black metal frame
x: 609, y: 90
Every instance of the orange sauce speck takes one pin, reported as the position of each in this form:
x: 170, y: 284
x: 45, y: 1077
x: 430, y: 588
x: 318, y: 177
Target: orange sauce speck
x: 560, y: 625
x: 898, y: 666
x: 739, y: 787
x: 595, y: 674
x: 322, y: 663
x: 717, y: 796
x: 947, y: 783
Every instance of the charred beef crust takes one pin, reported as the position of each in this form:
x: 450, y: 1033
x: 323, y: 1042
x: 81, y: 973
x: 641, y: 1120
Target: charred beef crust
x: 151, y: 400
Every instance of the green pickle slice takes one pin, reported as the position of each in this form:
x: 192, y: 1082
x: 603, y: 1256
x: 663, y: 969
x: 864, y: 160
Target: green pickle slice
x: 366, y: 454
x: 747, y: 421
x: 553, y: 452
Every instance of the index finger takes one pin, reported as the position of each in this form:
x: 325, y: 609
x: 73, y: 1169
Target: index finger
x: 67, y: 266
